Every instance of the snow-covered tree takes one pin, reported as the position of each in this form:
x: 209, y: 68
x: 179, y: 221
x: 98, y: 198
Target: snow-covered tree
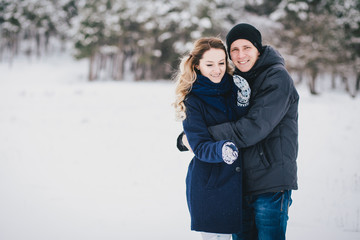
x: 150, y: 35
x: 28, y: 25
x: 147, y: 38
x: 347, y: 14
x: 313, y: 37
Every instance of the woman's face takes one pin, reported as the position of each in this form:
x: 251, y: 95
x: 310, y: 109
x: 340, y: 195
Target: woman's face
x: 213, y: 64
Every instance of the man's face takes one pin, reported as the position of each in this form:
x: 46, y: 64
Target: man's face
x: 243, y: 54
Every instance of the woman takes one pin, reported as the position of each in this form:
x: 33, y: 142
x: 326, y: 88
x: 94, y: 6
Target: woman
x: 206, y: 95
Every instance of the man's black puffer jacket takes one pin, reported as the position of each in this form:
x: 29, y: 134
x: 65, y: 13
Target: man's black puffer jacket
x: 268, y: 134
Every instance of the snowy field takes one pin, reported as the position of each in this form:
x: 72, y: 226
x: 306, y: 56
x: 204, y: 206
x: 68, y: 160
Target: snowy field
x: 97, y: 161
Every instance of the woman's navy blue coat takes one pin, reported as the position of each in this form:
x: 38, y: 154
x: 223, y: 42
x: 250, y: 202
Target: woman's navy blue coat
x: 213, y: 188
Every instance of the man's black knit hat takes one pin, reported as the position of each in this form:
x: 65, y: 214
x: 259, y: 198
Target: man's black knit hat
x: 244, y: 31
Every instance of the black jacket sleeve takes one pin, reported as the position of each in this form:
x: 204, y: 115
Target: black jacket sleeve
x: 269, y: 105
x: 179, y: 143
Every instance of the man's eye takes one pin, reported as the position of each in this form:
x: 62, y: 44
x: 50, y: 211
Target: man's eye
x: 209, y: 65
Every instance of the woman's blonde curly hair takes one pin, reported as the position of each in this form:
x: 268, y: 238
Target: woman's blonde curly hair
x: 186, y: 75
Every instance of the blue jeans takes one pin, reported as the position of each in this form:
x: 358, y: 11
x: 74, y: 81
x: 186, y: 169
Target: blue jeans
x: 265, y: 216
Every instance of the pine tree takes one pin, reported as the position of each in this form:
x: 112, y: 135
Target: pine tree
x: 26, y: 26
x: 92, y: 33
x: 313, y: 37
x: 10, y: 26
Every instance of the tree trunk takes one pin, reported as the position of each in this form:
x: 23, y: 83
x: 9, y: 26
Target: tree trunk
x: 118, y: 66
x: 312, y: 80
x: 333, y: 80
x: 349, y: 79
x: 14, y: 45
x: 345, y: 80
x: 91, y: 75
x: 300, y: 77
x: 38, y: 44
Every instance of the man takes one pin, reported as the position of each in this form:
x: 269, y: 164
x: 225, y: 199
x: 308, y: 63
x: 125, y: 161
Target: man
x: 267, y: 135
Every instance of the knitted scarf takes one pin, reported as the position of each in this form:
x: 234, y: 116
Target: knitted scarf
x: 215, y: 94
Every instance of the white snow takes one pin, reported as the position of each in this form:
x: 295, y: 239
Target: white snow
x: 97, y: 160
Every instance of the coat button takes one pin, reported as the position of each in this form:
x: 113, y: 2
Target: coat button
x: 238, y: 169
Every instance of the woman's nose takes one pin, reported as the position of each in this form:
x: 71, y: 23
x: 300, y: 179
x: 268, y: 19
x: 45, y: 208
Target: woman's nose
x: 217, y: 69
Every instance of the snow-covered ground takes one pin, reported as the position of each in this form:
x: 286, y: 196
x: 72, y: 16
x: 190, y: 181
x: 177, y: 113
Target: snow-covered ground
x: 82, y: 161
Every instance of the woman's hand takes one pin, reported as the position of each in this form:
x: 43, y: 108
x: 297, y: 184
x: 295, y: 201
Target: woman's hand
x: 229, y: 152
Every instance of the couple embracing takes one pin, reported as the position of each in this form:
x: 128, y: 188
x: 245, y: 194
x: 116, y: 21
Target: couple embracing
x: 242, y: 126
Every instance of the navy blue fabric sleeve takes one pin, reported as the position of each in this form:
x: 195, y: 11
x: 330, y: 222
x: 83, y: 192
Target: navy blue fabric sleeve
x: 196, y: 130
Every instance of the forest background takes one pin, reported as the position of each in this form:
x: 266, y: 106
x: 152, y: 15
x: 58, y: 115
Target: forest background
x: 143, y: 40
